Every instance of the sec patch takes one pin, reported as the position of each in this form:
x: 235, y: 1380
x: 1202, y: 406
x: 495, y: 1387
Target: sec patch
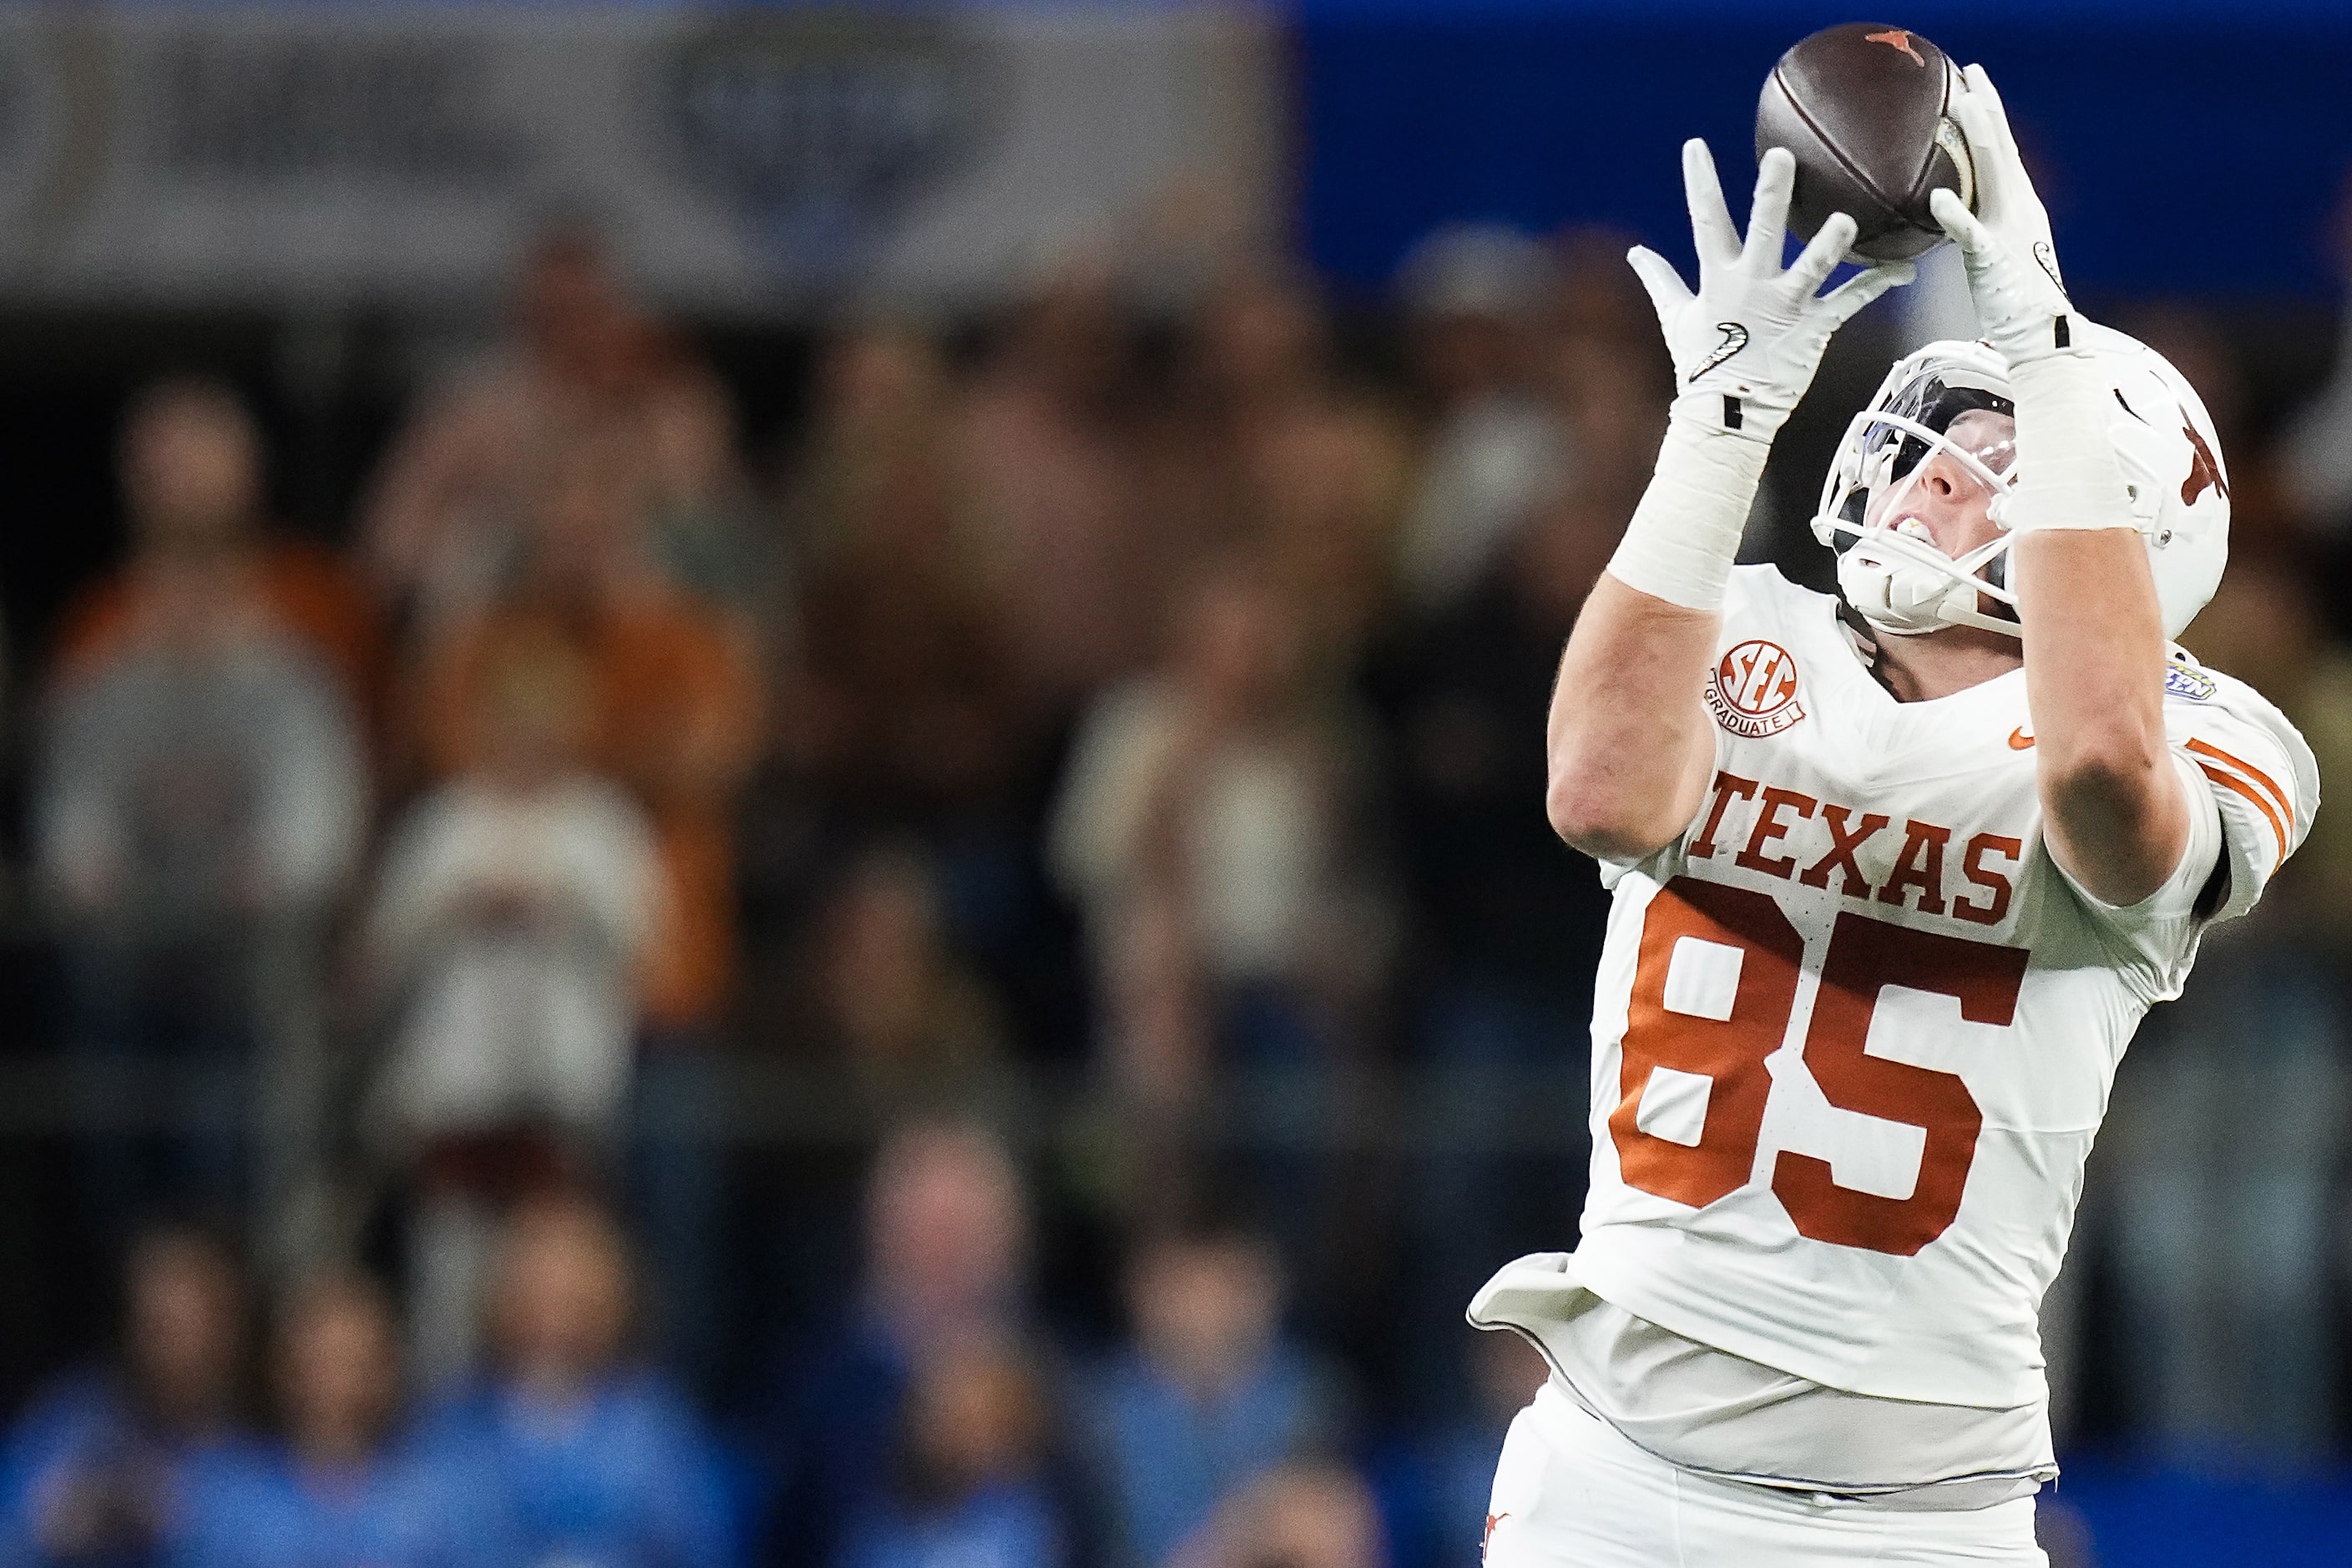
x: 1752, y: 691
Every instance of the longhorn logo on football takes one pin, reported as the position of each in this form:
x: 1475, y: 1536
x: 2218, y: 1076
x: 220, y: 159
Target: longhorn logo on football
x: 1752, y: 690
x: 1895, y: 39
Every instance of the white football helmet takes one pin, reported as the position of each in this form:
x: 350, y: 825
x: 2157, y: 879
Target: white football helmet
x: 1893, y: 574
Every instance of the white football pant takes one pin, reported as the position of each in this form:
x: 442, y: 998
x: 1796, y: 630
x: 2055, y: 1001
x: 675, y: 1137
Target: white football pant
x: 1571, y: 1493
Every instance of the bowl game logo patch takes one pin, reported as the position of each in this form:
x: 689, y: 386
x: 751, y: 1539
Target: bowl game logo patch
x: 2182, y: 678
x: 1752, y: 690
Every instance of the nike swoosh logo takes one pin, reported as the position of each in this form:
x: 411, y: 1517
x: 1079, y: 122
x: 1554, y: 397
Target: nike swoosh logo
x: 2049, y: 260
x: 2018, y: 741
x: 1735, y: 338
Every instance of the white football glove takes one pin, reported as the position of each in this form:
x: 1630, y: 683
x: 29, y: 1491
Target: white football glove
x: 1747, y: 345
x: 2013, y: 276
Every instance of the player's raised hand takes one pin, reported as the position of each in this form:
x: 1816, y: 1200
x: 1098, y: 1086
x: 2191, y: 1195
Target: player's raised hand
x: 2013, y: 276
x: 1753, y: 334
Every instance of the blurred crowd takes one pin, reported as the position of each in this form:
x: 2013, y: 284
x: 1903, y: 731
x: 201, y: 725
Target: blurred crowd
x: 976, y: 979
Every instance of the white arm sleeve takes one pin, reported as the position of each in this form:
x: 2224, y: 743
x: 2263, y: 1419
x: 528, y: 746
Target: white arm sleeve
x: 2068, y: 475
x: 1684, y: 533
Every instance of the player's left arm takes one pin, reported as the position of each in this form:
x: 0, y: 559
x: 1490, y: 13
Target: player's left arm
x: 2116, y: 816
x: 2114, y: 812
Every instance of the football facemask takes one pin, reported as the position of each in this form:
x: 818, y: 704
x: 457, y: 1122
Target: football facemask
x: 1941, y: 415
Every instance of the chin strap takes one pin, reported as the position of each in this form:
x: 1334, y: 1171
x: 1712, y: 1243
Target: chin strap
x: 1906, y: 588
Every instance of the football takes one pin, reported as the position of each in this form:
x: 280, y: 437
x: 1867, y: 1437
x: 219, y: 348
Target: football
x: 1862, y: 106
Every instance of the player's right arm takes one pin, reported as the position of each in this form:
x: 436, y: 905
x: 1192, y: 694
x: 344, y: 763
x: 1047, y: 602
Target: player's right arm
x: 1630, y: 746
x: 1629, y: 742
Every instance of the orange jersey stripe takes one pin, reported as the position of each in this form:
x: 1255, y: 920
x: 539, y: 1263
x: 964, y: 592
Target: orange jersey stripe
x: 2232, y: 782
x: 2279, y: 796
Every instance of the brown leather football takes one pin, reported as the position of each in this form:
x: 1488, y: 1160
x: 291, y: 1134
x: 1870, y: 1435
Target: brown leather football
x: 1862, y: 106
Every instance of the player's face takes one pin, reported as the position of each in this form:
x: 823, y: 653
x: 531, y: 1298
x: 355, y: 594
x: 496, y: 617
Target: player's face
x: 1943, y: 499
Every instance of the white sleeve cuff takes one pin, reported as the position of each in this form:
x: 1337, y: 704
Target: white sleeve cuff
x: 2067, y: 472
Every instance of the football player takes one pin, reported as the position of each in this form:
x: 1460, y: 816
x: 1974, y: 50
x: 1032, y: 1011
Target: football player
x: 1896, y: 875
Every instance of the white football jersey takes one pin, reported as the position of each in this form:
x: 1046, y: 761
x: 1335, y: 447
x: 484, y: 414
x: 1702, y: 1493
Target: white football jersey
x: 1853, y: 1032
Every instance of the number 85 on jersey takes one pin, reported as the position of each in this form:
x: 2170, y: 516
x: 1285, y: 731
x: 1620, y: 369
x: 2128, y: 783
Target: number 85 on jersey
x: 1719, y: 983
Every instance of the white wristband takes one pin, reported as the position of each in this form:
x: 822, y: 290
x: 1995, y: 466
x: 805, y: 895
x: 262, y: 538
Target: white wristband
x: 2057, y: 335
x: 2067, y: 472
x: 1685, y: 534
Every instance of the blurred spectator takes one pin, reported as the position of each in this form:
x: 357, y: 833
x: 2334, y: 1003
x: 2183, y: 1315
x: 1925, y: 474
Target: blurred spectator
x: 1472, y: 294
x: 193, y: 487
x: 902, y: 704
x: 966, y: 1488
x: 1209, y: 1398
x: 1212, y: 829
x: 2226, y: 1137
x: 514, y: 908
x: 1215, y: 800
x: 603, y: 1463
x: 671, y: 704
x: 947, y: 1256
x: 671, y: 714
x: 1263, y: 449
x: 2264, y: 519
x: 707, y: 530
x: 901, y: 709
x: 340, y: 1488
x: 2227, y: 1132
x: 1597, y: 362
x: 877, y: 438
x: 1436, y: 1486
x: 199, y: 799
x: 1299, y: 1516
x: 1328, y: 488
x: 94, y: 1473
x: 207, y: 773
x: 1500, y: 1002
x: 2315, y: 450
x: 1046, y: 449
x: 886, y: 996
x: 455, y: 498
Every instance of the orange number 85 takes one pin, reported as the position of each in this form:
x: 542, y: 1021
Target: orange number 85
x: 1864, y: 955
